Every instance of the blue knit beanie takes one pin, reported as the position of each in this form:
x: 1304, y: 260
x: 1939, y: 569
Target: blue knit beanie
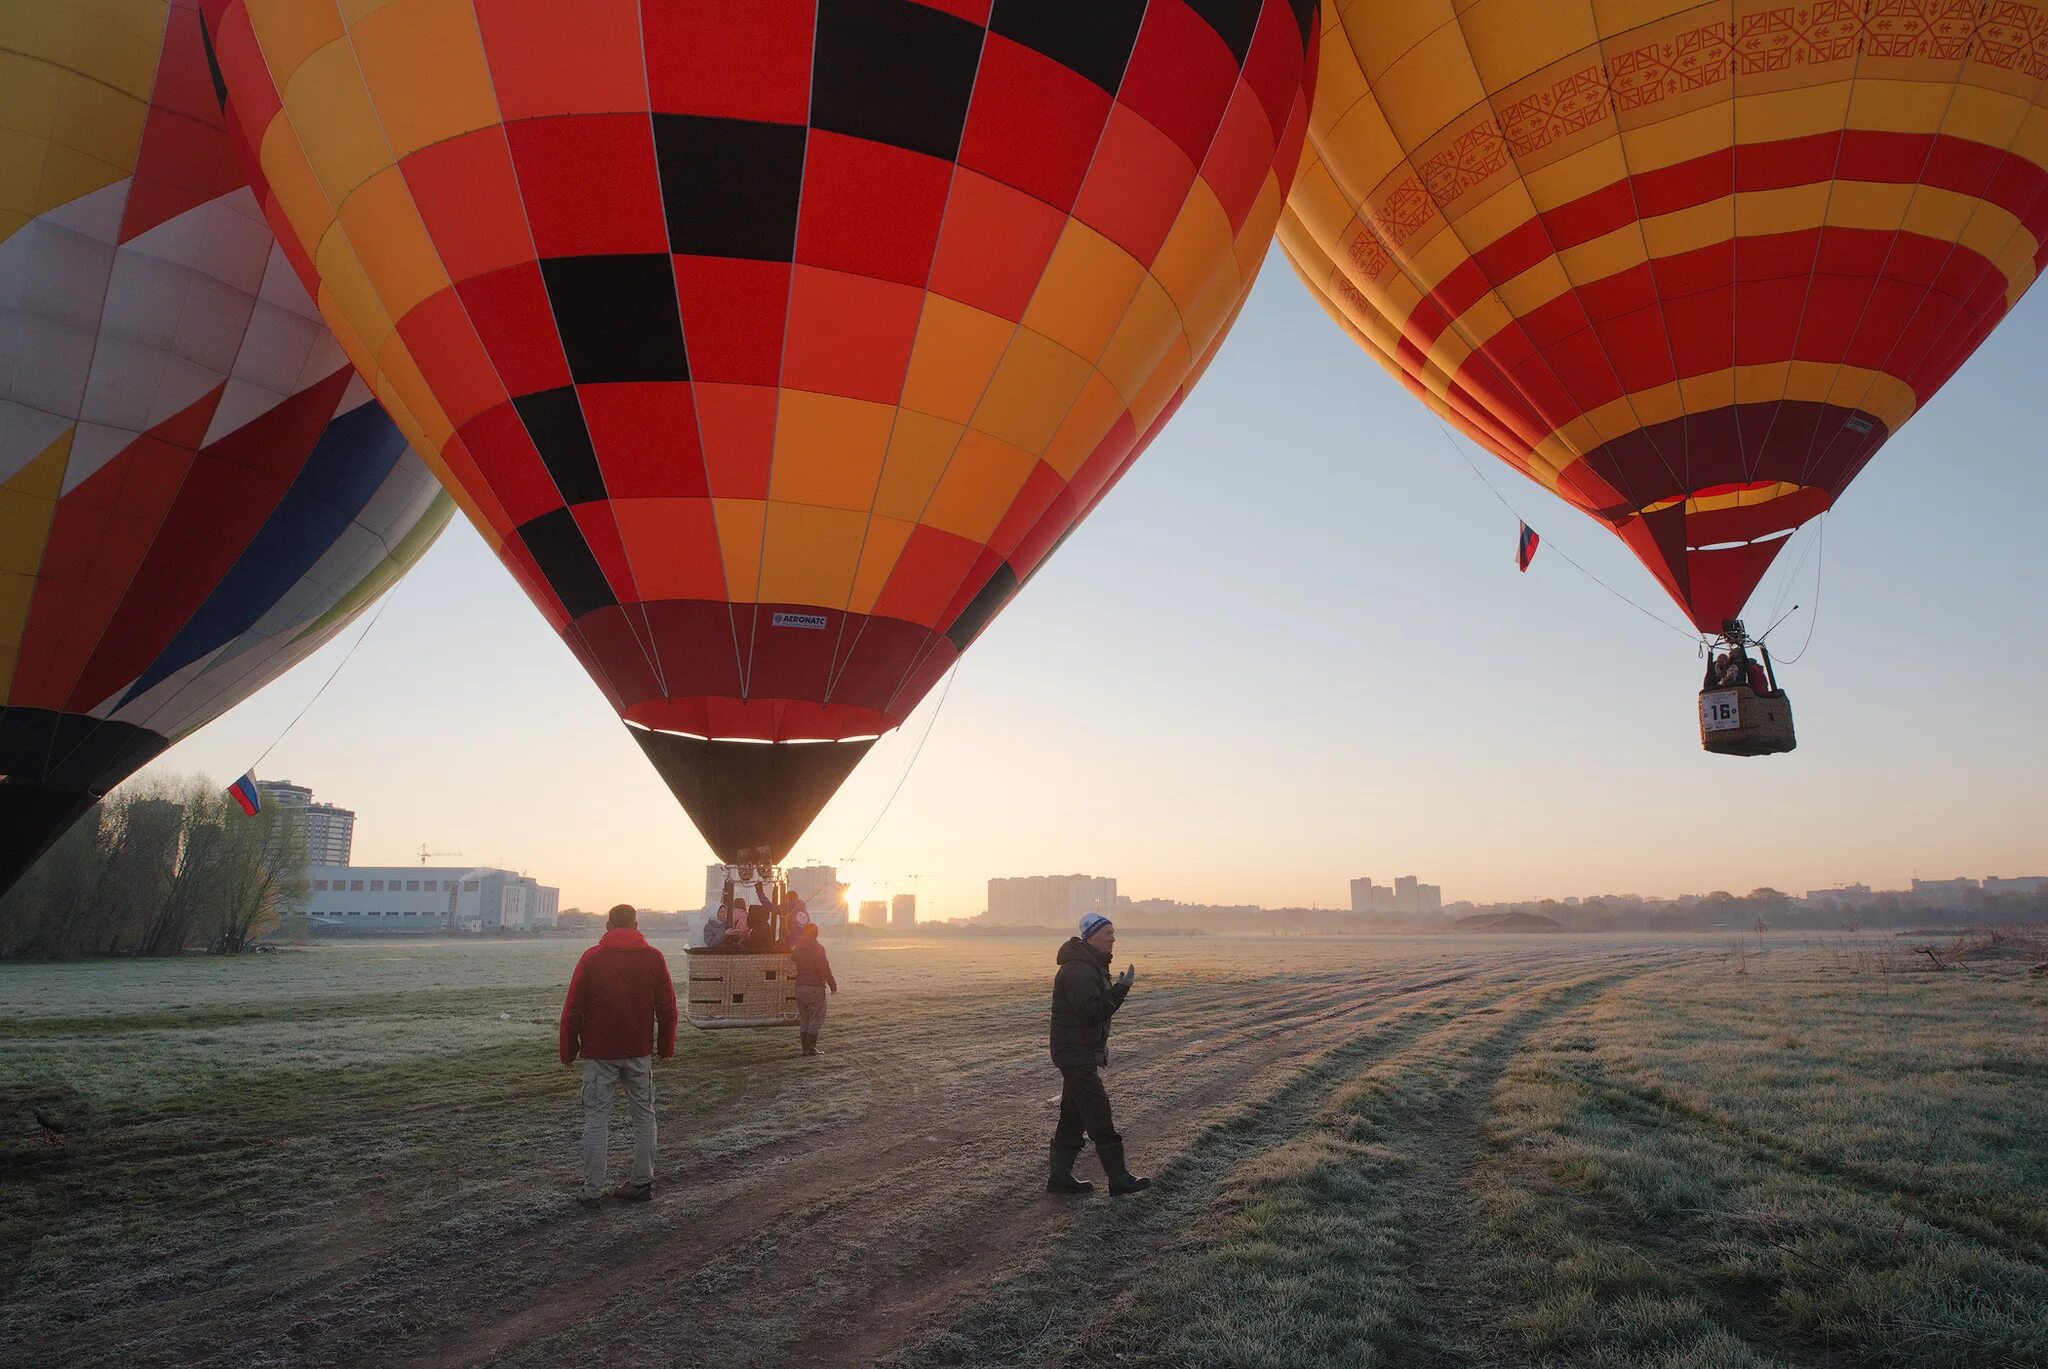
x: 1091, y: 924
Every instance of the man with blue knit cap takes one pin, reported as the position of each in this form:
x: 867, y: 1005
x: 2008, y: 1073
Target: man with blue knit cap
x: 1084, y: 998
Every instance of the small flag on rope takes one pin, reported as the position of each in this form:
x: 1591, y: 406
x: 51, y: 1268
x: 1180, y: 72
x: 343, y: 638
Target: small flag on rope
x: 1525, y: 549
x: 244, y: 793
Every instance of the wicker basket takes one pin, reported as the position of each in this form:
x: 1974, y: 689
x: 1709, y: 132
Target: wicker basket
x: 1735, y: 720
x: 740, y: 988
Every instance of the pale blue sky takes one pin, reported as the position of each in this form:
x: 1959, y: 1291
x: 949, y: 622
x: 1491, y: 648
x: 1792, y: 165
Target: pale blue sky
x: 1290, y: 649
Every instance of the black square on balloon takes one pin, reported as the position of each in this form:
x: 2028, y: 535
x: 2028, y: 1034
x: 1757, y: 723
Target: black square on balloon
x: 617, y: 317
x: 1091, y: 37
x: 554, y: 420
x: 894, y: 72
x: 730, y: 186
x: 1235, y: 21
x: 565, y: 559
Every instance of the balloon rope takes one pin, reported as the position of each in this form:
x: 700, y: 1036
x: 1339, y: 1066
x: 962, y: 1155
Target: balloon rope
x: 323, y: 687
x: 1481, y: 478
x: 1813, y: 618
x: 900, y: 779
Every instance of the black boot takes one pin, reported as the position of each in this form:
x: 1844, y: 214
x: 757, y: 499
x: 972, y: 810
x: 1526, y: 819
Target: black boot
x: 1062, y: 1179
x: 1121, y: 1180
x: 810, y: 1044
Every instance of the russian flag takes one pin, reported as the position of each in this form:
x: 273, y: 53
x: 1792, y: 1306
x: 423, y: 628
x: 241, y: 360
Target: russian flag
x: 1525, y: 549
x: 244, y: 793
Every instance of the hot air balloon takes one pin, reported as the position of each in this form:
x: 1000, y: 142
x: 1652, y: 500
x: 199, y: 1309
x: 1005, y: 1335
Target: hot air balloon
x: 1687, y: 265
x: 773, y: 345
x: 195, y: 488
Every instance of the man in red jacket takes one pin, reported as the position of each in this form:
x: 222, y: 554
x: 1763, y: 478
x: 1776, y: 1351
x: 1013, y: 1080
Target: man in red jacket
x: 618, y: 997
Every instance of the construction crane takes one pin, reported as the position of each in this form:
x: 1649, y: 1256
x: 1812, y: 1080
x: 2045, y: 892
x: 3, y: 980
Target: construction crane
x: 425, y: 854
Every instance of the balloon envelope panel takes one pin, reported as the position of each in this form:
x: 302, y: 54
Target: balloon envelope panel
x: 774, y: 345
x: 196, y: 490
x: 1687, y: 265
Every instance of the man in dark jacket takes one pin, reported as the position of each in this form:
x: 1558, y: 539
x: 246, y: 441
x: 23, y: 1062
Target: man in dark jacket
x: 1084, y: 998
x: 618, y: 998
x: 813, y: 978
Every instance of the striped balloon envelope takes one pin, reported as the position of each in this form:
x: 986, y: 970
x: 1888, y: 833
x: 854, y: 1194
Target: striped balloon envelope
x: 1687, y: 265
x: 773, y: 345
x: 196, y: 490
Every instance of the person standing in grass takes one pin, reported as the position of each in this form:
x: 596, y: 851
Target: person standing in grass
x: 619, y: 999
x: 1084, y: 998
x: 813, y: 978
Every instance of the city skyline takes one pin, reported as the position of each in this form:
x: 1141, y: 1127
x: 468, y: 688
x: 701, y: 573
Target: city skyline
x: 1292, y: 646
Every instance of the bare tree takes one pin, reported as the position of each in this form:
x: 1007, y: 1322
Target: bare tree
x: 264, y: 878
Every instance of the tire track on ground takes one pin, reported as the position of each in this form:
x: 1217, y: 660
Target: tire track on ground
x: 749, y: 1235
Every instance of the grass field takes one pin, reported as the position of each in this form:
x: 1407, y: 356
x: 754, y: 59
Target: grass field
x: 1437, y: 1151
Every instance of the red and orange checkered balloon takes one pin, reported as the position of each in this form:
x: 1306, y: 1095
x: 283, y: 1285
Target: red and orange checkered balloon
x: 1688, y: 265
x: 773, y: 344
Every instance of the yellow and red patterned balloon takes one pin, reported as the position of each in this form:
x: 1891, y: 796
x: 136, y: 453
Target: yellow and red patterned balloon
x: 1687, y: 265
x: 773, y: 345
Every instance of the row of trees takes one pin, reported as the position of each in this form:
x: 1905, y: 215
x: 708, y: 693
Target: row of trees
x: 161, y: 867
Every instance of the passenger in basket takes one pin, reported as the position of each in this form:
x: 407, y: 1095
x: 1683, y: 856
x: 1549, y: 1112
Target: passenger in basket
x: 620, y: 998
x: 813, y: 978
x: 1084, y: 998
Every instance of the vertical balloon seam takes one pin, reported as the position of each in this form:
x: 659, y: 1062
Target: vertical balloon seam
x: 1572, y: 285
x: 781, y: 368
x: 1905, y: 214
x: 338, y: 226
x: 1983, y: 275
x: 1477, y: 349
x: 924, y: 652
x: 52, y: 760
x: 1395, y: 255
x: 844, y: 659
x: 1812, y: 271
x: 696, y: 410
x: 1142, y: 439
x: 644, y: 640
x: 92, y: 356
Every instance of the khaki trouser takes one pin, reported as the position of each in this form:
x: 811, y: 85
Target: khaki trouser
x: 599, y: 1079
x: 810, y: 1009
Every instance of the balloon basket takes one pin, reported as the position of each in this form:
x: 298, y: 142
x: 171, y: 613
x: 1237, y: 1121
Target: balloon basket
x: 739, y: 989
x: 1737, y: 721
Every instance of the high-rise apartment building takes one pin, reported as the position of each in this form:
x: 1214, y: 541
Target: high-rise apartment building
x: 874, y: 913
x: 1049, y: 900
x: 903, y: 910
x: 823, y: 895
x: 1409, y: 895
x: 330, y: 831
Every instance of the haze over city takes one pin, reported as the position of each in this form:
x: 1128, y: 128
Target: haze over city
x: 1290, y: 648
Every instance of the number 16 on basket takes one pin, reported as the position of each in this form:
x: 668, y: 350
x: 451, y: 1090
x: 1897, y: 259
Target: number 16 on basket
x: 1720, y: 710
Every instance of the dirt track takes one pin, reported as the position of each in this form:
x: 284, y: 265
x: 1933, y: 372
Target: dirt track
x: 899, y: 1186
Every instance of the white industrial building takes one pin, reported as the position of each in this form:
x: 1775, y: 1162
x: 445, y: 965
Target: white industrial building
x: 330, y: 831
x: 428, y: 900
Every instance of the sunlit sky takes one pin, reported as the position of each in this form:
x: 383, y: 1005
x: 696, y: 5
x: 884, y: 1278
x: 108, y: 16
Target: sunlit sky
x: 1291, y: 648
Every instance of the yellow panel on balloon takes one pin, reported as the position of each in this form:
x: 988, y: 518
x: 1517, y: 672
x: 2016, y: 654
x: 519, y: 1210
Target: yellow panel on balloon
x: 423, y: 62
x: 828, y: 450
x: 979, y: 483
x: 810, y: 553
x: 1081, y: 297
x: 919, y: 449
x: 957, y: 351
